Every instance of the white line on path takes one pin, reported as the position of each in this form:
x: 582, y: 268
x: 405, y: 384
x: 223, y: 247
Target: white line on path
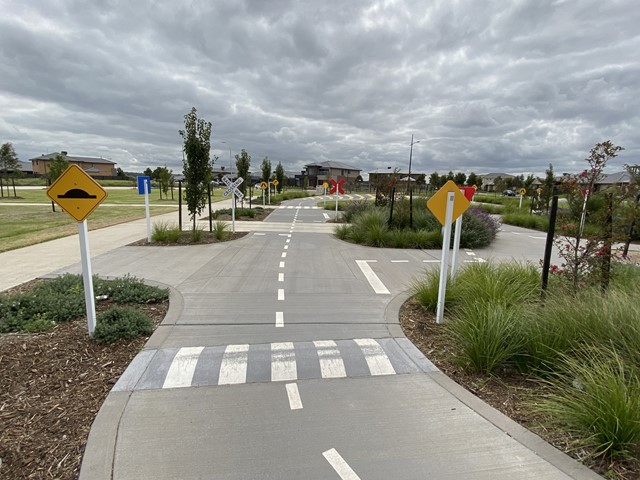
x: 283, y: 362
x: 537, y: 238
x: 281, y: 294
x: 430, y: 261
x: 284, y: 235
x: 372, y: 278
x: 259, y: 234
x: 341, y: 467
x: 326, y: 215
x: 399, y: 261
x: 516, y: 233
x: 470, y: 253
x: 377, y: 360
x: 281, y: 264
x: 234, y: 365
x: 279, y: 319
x: 331, y: 364
x: 286, y: 247
x: 284, y: 255
x: 281, y: 277
x: 295, y: 402
x: 182, y: 367
x: 288, y: 240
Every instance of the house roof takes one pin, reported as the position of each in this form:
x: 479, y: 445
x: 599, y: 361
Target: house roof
x: 496, y: 175
x: 73, y: 158
x: 332, y: 164
x: 615, y: 178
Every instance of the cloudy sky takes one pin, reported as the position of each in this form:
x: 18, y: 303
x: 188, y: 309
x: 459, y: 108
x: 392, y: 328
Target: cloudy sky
x: 485, y: 86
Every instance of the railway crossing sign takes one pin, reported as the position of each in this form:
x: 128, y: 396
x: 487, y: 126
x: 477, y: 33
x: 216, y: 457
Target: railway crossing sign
x: 337, y: 186
x: 77, y: 193
x: 232, y: 187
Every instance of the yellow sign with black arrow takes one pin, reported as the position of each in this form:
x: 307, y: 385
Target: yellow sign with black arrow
x: 77, y: 193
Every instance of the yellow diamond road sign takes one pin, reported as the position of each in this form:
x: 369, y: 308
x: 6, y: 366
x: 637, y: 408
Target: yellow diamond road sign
x: 263, y: 185
x: 77, y: 193
x: 438, y: 203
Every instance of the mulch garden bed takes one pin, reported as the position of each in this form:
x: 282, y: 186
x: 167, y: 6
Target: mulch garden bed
x: 53, y: 385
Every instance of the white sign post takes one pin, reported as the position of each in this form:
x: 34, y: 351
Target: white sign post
x: 146, y: 209
x: 456, y: 246
x: 232, y: 187
x: 444, y: 261
x: 87, y: 276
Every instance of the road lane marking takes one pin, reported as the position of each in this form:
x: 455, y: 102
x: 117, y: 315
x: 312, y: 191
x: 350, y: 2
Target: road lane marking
x: 281, y: 264
x: 372, y: 278
x: 399, y: 261
x: 331, y: 364
x: 375, y: 356
x: 288, y: 240
x: 537, y: 238
x: 283, y: 362
x: 284, y: 255
x: 180, y: 372
x: 341, y: 467
x: 470, y: 253
x: 281, y: 277
x: 295, y: 402
x: 430, y: 261
x: 286, y: 247
x: 326, y: 215
x: 233, y: 368
x: 516, y: 233
x: 279, y: 319
x: 259, y: 234
x: 281, y: 294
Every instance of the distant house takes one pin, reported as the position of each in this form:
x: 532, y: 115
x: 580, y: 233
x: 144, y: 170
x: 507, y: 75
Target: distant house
x: 618, y: 179
x: 489, y: 181
x: 97, y: 167
x: 318, y: 173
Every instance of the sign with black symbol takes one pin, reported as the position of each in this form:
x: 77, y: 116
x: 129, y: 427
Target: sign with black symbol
x: 76, y: 192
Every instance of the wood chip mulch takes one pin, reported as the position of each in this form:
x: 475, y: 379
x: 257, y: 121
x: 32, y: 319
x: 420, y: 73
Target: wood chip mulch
x: 510, y: 393
x: 52, y: 386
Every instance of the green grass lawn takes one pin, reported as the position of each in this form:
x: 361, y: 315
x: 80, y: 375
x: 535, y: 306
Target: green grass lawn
x: 25, y: 225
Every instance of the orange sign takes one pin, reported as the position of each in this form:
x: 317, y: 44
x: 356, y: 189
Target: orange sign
x: 76, y: 192
x: 438, y: 203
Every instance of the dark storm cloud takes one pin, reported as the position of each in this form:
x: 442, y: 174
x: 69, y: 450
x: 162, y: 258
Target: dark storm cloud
x: 485, y: 86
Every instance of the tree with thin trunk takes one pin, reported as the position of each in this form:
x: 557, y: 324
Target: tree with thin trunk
x: 265, y: 167
x: 9, y: 166
x: 280, y: 176
x: 243, y: 165
x: 197, y: 163
x: 57, y: 165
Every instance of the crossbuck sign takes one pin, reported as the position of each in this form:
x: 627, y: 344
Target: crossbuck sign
x: 232, y: 187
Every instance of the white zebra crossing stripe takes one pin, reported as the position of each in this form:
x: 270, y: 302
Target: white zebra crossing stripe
x: 181, y: 371
x: 283, y: 362
x: 295, y: 402
x: 331, y: 364
x: 233, y: 369
x: 377, y: 360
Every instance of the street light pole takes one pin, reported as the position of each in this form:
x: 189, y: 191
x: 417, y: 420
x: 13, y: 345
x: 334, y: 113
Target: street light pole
x: 409, y: 183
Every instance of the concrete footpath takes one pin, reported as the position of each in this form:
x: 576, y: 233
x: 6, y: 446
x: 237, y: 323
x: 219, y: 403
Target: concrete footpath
x: 282, y: 357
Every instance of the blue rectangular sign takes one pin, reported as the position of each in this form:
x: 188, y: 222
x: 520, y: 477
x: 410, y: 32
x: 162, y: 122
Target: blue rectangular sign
x: 141, y: 181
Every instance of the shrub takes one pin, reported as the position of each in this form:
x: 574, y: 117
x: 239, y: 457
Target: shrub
x: 39, y: 323
x: 487, y: 333
x: 534, y: 222
x: 597, y: 397
x: 165, y: 232
x: 129, y: 289
x: 479, y: 229
x: 196, y: 234
x: 121, y: 323
x: 351, y: 209
x: 221, y: 230
x: 427, y: 239
x: 342, y: 232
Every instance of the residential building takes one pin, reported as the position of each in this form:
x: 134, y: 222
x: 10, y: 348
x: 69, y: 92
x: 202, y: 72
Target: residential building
x: 97, y: 167
x: 318, y: 173
x: 489, y: 181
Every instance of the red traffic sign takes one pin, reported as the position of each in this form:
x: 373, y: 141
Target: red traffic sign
x: 337, y: 186
x: 469, y: 192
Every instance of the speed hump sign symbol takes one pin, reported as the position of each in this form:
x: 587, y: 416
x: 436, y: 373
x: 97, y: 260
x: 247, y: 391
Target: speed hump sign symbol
x: 77, y: 193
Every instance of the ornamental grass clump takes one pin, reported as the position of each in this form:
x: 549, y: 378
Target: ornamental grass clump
x: 221, y: 230
x: 596, y: 396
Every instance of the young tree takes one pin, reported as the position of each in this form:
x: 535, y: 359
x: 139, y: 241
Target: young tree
x: 120, y: 173
x: 148, y: 172
x: 474, y: 179
x: 197, y: 164
x: 460, y: 178
x: 243, y: 164
x: 163, y: 177
x: 265, y: 167
x: 434, y: 181
x: 280, y: 176
x: 9, y: 166
x: 57, y: 165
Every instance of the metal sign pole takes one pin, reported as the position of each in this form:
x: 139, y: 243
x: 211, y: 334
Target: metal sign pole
x: 456, y: 246
x: 146, y: 209
x: 444, y: 267
x: 87, y: 276
x: 233, y: 212
x: 520, y: 206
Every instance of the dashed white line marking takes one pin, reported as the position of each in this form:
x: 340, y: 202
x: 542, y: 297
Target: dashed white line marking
x: 281, y: 264
x: 331, y: 364
x: 471, y: 254
x: 341, y: 467
x: 286, y: 247
x: 537, y: 238
x: 281, y: 294
x: 283, y: 362
x: 182, y: 368
x: 372, y: 278
x: 375, y: 356
x: 326, y: 215
x: 288, y: 240
x: 430, y: 261
x: 281, y: 277
x: 259, y: 234
x: 279, y: 319
x: 284, y: 235
x: 399, y: 261
x: 284, y: 255
x: 516, y: 233
x: 234, y: 365
x: 295, y: 402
